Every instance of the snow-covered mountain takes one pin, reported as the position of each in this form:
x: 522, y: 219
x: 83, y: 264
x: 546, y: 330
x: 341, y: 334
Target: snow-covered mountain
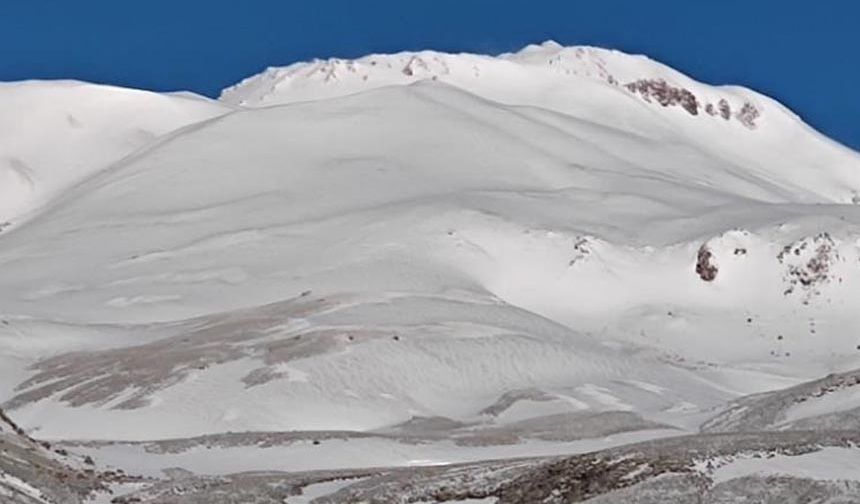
x: 596, y: 85
x: 53, y: 134
x: 425, y: 258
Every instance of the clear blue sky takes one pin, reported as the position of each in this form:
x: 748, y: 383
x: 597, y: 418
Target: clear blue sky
x: 804, y: 53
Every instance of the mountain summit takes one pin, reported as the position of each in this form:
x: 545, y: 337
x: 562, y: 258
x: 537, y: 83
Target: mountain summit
x: 389, y: 279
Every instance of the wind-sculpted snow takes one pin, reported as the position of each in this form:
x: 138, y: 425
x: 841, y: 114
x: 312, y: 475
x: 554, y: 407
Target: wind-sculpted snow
x: 383, y: 360
x: 100, y: 377
x: 430, y: 277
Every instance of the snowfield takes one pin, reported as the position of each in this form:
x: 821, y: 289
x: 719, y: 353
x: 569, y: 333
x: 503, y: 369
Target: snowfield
x: 89, y: 126
x: 487, y: 277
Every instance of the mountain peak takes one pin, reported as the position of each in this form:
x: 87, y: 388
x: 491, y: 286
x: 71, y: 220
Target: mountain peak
x: 512, y: 78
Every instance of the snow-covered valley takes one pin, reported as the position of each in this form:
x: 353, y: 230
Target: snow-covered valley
x: 466, y: 274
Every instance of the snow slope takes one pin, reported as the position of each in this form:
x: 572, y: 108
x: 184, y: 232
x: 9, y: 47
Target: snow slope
x: 424, y: 246
x: 604, y: 87
x: 54, y: 134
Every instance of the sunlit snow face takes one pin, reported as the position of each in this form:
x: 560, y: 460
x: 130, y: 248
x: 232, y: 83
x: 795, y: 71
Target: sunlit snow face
x: 422, y: 260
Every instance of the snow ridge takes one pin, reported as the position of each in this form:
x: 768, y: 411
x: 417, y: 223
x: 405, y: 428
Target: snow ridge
x: 548, y: 62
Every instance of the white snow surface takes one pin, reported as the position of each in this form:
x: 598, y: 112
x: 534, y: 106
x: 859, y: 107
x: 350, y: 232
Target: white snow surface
x: 338, y: 454
x: 586, y: 83
x: 829, y: 463
x: 53, y: 134
x: 470, y: 225
x: 311, y: 492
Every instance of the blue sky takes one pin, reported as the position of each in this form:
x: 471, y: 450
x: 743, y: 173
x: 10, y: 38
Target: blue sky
x: 803, y: 53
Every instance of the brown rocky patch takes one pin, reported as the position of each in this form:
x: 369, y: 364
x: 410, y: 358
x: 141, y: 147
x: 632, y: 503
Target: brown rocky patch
x: 705, y: 267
